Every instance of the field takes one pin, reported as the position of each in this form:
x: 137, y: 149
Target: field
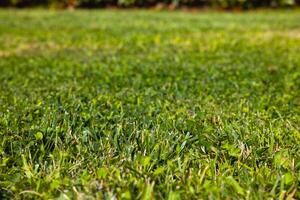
x: 110, y: 104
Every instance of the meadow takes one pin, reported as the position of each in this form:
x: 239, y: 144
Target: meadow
x: 141, y: 104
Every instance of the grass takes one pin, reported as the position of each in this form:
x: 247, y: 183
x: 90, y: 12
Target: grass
x: 149, y: 105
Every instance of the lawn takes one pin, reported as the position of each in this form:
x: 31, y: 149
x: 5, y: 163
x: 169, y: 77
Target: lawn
x: 110, y: 104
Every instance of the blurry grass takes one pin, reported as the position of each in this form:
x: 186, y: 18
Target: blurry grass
x: 144, y: 104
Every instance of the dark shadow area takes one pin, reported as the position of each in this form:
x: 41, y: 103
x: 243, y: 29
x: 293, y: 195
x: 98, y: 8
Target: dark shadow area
x: 162, y: 4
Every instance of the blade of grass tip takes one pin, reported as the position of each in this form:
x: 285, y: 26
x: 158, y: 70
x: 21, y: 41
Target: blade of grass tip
x: 148, y: 193
x: 275, y: 186
x: 63, y: 194
x: 232, y: 182
x: 203, y: 174
x: 31, y: 192
x: 290, y: 196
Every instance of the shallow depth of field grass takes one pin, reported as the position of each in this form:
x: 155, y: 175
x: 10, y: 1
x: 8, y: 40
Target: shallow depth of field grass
x: 149, y: 105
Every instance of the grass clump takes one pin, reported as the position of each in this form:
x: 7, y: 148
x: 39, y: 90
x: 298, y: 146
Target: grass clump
x: 144, y: 105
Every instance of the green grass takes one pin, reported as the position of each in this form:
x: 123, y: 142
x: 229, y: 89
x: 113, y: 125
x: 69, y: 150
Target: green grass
x: 145, y: 104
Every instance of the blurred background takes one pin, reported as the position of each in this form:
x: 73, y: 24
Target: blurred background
x: 159, y: 4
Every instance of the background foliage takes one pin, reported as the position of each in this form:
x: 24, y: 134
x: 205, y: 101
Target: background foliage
x: 144, y: 3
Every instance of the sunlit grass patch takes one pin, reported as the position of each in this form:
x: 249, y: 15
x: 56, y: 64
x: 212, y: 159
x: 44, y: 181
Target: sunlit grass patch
x: 145, y: 104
